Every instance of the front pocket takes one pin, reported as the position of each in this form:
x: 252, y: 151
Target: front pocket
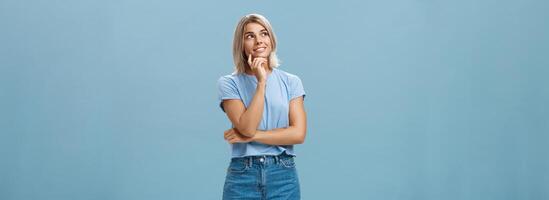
x: 287, y: 162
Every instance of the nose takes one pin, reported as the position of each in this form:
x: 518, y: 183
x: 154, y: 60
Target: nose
x: 259, y: 41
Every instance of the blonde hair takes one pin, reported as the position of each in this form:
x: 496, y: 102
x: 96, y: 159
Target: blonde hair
x: 239, y: 56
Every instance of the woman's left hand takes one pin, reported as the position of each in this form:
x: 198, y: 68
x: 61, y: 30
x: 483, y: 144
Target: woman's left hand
x: 233, y: 136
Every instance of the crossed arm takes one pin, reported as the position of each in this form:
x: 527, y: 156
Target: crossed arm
x: 245, y: 122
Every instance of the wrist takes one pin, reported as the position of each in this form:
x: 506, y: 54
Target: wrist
x: 257, y: 136
x: 262, y: 83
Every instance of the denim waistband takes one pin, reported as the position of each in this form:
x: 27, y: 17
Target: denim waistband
x: 263, y: 159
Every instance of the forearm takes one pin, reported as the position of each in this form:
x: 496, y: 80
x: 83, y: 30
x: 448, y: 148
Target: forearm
x: 281, y: 136
x: 250, y: 119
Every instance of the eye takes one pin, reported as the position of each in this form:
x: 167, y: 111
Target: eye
x: 249, y: 36
x: 264, y: 34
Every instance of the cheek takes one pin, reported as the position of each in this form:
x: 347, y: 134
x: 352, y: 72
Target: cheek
x: 248, y: 46
x: 247, y: 49
x: 270, y: 44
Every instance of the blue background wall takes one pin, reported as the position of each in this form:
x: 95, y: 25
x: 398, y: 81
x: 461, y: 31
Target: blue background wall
x: 406, y: 99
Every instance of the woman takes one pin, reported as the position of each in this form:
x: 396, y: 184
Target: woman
x: 265, y: 107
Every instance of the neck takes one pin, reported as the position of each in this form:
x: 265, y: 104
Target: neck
x: 268, y: 69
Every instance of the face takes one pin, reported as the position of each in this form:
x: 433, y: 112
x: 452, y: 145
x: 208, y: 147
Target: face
x: 257, y: 40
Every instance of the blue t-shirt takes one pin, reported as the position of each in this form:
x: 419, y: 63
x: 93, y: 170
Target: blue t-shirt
x: 281, y: 87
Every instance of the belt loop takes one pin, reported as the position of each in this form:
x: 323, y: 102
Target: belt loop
x: 276, y: 159
x: 249, y: 161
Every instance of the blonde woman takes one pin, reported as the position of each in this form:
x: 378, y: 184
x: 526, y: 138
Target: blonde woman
x: 265, y: 107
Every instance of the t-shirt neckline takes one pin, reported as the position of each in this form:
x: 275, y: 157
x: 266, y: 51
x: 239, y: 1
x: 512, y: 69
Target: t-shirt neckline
x: 253, y: 76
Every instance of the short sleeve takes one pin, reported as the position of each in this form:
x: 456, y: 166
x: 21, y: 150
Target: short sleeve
x: 296, y: 87
x: 226, y: 89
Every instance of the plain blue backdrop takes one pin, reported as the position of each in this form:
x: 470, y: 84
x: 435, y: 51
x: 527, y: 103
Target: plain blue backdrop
x: 407, y: 99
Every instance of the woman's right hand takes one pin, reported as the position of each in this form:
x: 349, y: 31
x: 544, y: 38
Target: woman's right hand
x: 258, y: 68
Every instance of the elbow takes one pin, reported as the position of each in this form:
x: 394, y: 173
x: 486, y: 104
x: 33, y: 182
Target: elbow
x: 247, y: 132
x: 245, y: 129
x: 300, y: 138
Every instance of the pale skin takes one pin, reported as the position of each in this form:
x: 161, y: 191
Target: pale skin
x: 257, y: 45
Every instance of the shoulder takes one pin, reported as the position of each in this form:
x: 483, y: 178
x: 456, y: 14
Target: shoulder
x: 228, y: 79
x: 293, y: 83
x: 288, y: 76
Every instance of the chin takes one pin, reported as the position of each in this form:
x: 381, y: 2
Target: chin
x: 263, y: 55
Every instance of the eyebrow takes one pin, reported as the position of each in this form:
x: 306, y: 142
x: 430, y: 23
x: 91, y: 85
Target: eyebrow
x: 253, y: 32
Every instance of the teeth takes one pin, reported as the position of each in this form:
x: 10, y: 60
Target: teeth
x: 262, y: 48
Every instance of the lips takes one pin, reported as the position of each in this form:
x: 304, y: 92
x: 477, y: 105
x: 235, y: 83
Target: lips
x: 260, y: 49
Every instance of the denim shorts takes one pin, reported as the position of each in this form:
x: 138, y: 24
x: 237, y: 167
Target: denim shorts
x: 262, y: 177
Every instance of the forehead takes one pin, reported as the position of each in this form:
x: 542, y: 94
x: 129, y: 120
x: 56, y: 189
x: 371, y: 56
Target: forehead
x: 253, y: 27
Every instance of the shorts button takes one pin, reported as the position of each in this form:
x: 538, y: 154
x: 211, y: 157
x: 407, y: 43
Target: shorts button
x: 261, y: 159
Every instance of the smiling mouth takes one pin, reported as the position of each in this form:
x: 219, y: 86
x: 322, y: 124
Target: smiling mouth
x: 260, y: 49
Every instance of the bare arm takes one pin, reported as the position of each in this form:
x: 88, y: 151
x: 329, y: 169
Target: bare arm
x: 293, y: 134
x: 245, y: 120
